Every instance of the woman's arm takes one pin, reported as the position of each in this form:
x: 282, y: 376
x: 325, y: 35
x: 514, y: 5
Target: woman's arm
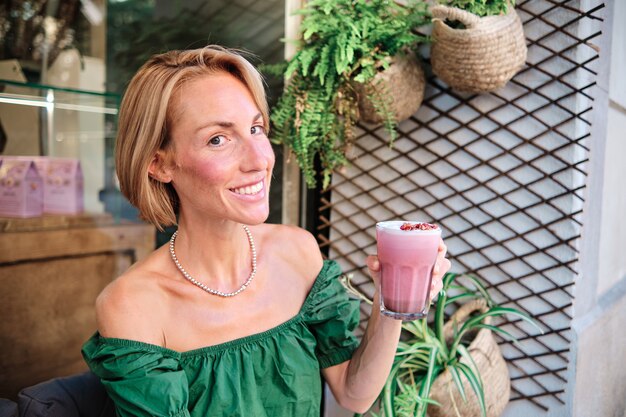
x: 357, y: 383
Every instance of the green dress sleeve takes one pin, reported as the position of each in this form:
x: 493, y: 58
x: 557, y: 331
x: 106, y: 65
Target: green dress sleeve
x: 141, y: 379
x: 332, y: 317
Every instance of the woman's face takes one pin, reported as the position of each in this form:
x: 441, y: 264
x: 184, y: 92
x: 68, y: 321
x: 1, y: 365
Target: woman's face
x: 222, y: 158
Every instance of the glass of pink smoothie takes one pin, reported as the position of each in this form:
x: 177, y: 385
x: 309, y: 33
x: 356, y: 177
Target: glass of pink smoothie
x: 407, y: 252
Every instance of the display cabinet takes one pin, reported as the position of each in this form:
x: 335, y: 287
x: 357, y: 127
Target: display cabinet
x: 53, y: 266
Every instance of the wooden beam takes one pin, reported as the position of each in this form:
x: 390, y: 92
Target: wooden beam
x: 292, y: 177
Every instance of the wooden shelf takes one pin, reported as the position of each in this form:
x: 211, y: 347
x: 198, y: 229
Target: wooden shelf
x: 51, y: 270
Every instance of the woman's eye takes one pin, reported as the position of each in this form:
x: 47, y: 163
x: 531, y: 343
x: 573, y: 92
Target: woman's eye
x: 217, y: 141
x: 257, y: 130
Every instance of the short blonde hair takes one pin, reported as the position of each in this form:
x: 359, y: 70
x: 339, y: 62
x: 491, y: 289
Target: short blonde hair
x: 145, y: 112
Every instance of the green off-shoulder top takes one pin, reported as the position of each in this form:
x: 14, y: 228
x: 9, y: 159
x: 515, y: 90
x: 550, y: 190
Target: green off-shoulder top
x: 274, y: 373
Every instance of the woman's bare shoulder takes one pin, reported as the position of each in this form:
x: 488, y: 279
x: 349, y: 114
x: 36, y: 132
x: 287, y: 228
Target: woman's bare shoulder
x: 131, y: 306
x: 295, y: 246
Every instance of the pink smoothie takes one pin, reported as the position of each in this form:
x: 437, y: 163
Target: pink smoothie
x: 407, y: 258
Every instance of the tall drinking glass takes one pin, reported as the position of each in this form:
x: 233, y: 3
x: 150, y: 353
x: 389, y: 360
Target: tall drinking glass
x: 407, y: 252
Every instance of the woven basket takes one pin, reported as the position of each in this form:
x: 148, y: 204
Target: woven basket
x: 491, y: 365
x: 401, y: 86
x: 480, y: 58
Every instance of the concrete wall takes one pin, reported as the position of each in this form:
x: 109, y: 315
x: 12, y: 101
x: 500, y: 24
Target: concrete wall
x: 599, y: 375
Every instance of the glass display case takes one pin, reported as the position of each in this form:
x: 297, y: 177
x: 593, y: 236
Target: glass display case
x: 52, y: 266
x: 38, y: 119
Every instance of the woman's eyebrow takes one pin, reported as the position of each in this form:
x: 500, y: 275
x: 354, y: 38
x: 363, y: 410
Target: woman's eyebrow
x: 225, y: 124
x: 215, y: 123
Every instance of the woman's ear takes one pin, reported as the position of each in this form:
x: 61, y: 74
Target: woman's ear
x: 160, y: 167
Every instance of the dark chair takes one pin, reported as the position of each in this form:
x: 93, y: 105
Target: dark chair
x: 8, y: 408
x: 81, y: 395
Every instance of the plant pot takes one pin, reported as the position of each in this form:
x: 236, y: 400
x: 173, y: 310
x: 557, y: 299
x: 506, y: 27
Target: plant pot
x: 492, y: 368
x: 481, y: 58
x: 400, y: 88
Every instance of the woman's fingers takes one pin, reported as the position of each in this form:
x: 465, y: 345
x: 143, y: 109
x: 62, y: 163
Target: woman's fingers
x: 373, y: 265
x: 442, y: 247
x: 442, y: 265
x: 435, y: 286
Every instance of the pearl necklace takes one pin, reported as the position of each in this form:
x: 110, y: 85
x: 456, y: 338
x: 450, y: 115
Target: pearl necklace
x: 204, y: 287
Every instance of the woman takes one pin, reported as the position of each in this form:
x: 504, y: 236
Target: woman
x: 234, y: 317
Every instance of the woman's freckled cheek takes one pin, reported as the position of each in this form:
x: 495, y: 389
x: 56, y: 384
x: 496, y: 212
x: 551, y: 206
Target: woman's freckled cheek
x: 207, y: 172
x: 214, y: 162
x: 211, y: 173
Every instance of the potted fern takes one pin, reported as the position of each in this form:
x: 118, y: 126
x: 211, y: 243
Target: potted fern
x: 452, y: 368
x: 333, y: 79
x: 478, y: 45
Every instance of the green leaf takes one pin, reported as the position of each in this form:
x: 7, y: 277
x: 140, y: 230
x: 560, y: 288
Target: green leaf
x: 475, y: 384
x: 448, y: 278
x: 480, y: 287
x: 474, y: 322
x: 481, y: 7
x: 305, y: 58
x: 500, y: 311
x: 361, y: 78
x: 424, y: 392
x: 460, y: 297
x: 389, y: 390
x: 349, y: 53
x: 457, y: 381
x: 291, y: 68
x: 439, y: 315
x: 414, y: 348
x: 465, y: 354
x: 327, y: 8
x: 322, y: 66
x: 498, y: 330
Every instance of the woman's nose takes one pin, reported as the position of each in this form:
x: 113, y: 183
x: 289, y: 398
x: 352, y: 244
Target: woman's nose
x: 257, y: 155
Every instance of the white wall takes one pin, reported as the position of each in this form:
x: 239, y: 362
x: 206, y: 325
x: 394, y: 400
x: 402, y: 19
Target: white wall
x: 600, y: 374
x: 612, y: 268
x: 613, y: 265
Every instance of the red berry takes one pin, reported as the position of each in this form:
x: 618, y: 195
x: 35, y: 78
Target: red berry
x: 418, y: 226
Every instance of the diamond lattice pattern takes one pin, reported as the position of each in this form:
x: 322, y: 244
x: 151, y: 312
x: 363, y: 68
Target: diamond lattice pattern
x: 504, y: 175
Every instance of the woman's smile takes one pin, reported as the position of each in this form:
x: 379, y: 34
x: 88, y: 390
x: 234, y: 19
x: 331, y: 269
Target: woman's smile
x: 254, y: 190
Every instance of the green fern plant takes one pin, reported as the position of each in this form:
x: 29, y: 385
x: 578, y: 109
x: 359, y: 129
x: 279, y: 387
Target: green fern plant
x: 481, y: 7
x: 343, y: 42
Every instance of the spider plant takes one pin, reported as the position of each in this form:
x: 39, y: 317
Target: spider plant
x: 426, y: 350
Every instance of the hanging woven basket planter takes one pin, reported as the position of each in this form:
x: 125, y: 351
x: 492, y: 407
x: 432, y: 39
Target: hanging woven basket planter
x: 483, y: 56
x: 399, y: 88
x: 491, y: 366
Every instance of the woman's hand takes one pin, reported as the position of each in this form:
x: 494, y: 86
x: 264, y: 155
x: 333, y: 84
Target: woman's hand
x: 442, y: 265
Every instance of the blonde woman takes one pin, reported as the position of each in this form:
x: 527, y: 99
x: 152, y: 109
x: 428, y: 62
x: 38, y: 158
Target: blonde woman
x: 234, y: 317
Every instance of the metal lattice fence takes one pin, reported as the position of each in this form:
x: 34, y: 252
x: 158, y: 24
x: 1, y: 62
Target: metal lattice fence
x: 503, y: 174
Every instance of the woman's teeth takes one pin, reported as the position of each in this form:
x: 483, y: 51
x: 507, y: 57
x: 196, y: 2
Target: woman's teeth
x: 251, y: 189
